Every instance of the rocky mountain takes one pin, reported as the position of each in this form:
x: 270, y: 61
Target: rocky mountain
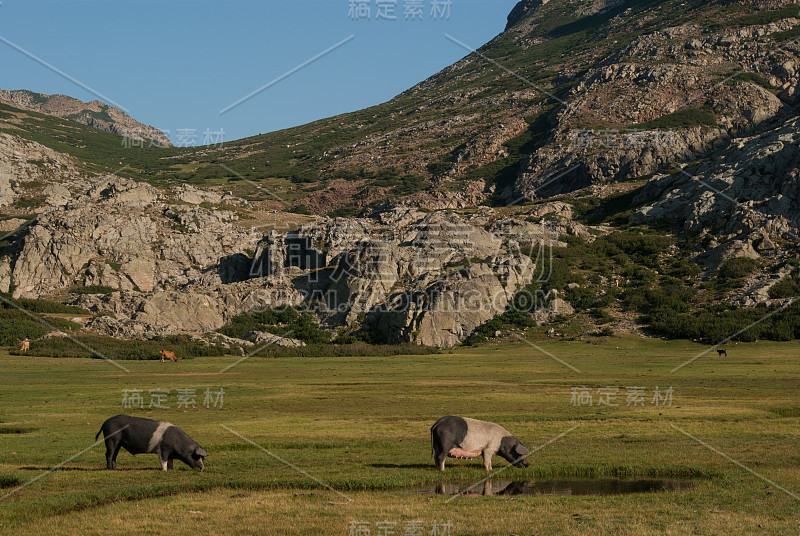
x: 581, y: 90
x: 600, y: 165
x: 569, y: 95
x: 174, y: 267
x: 95, y: 114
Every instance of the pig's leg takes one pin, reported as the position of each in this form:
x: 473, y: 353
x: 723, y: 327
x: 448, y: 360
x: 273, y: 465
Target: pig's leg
x: 441, y: 456
x: 165, y: 456
x: 487, y: 459
x: 164, y: 459
x: 439, y: 449
x: 112, y: 449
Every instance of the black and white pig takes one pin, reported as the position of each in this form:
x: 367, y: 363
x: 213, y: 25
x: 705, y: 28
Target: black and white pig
x: 461, y: 437
x: 140, y: 436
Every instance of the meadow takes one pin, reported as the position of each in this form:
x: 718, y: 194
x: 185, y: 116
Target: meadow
x: 333, y: 445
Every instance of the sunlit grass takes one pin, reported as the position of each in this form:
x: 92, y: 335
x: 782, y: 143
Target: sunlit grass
x: 360, y: 425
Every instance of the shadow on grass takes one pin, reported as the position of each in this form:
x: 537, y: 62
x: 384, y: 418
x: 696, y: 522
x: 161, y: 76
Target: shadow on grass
x: 87, y: 469
x: 403, y: 465
x: 9, y: 430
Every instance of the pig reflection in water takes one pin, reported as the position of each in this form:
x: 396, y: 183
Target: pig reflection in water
x: 561, y: 487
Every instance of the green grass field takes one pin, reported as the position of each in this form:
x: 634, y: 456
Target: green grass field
x: 339, y: 440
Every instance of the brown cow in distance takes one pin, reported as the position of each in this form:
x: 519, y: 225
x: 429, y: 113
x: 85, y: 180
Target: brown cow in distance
x: 24, y: 345
x: 166, y: 354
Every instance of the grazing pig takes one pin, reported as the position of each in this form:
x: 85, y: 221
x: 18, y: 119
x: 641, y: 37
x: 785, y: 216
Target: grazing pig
x: 460, y: 437
x: 139, y: 436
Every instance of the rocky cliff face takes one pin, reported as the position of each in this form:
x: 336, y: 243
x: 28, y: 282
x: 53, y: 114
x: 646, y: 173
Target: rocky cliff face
x: 96, y: 114
x: 33, y: 176
x: 746, y: 198
x: 125, y: 235
x: 660, y: 101
x: 429, y: 278
x: 415, y: 277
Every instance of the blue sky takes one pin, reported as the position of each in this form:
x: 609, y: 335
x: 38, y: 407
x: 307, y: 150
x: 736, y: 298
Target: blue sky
x: 176, y: 64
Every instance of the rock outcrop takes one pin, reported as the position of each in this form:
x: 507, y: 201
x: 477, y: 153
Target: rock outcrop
x: 34, y: 177
x: 522, y: 10
x: 429, y: 278
x: 660, y: 112
x: 447, y: 311
x: 747, y: 196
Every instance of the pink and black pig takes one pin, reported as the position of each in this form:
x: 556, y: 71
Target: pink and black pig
x: 461, y: 437
x: 146, y: 436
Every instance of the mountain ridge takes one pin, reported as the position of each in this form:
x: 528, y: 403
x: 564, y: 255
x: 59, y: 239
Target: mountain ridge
x: 96, y: 114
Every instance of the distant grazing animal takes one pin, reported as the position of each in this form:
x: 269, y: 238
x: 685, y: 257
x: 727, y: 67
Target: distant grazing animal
x: 461, y: 437
x: 166, y: 354
x: 721, y: 353
x: 140, y: 436
x: 24, y: 345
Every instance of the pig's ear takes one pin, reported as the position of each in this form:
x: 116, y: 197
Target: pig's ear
x: 521, y: 450
x: 200, y: 451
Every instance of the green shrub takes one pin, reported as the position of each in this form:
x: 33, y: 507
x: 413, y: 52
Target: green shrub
x: 92, y: 289
x: 281, y: 321
x: 9, y: 481
x: 39, y: 306
x: 29, y: 202
x: 684, y: 269
x: 660, y: 300
x: 581, y: 298
x: 300, y: 209
x: 685, y: 118
x: 786, y: 35
x: 762, y: 17
x: 601, y: 315
x: 716, y: 326
x: 788, y: 287
x: 737, y: 268
x: 603, y: 332
x: 439, y: 168
x: 560, y: 275
x: 122, y: 350
x: 755, y: 78
x: 16, y: 326
x: 346, y: 211
x: 410, y: 184
x: 369, y: 335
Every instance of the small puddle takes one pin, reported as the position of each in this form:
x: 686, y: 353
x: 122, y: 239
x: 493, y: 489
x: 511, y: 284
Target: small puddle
x: 558, y: 487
